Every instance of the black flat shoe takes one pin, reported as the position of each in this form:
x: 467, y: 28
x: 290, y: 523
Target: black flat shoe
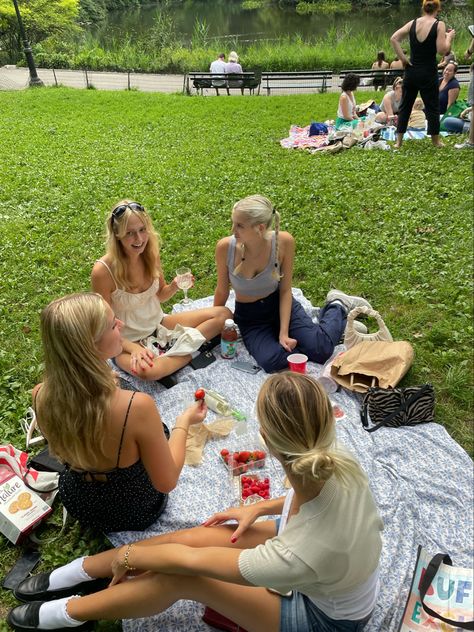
x: 35, y: 588
x: 25, y: 618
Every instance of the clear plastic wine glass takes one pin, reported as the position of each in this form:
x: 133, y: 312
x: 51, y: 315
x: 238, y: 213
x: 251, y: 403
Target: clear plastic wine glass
x: 184, y: 279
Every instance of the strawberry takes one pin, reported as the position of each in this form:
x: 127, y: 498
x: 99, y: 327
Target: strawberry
x: 199, y: 394
x: 224, y: 452
x: 244, y: 456
x: 259, y: 455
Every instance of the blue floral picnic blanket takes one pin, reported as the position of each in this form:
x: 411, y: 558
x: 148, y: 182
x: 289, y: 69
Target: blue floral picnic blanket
x: 422, y: 481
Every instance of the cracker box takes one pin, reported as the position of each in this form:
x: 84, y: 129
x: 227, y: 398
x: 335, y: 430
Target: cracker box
x: 21, y: 509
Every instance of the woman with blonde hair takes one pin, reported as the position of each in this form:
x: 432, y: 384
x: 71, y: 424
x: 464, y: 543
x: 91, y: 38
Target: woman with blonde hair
x: 258, y: 263
x: 130, y: 278
x: 314, y: 568
x: 390, y: 105
x: 428, y: 37
x: 232, y: 65
x: 119, y: 465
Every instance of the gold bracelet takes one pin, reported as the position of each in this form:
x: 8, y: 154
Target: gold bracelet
x: 125, y: 559
x: 180, y: 428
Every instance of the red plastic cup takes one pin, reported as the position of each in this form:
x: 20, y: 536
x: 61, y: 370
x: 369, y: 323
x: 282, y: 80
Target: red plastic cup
x: 297, y: 362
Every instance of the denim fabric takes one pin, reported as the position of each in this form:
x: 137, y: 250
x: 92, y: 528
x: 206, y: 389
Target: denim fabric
x: 259, y: 324
x: 456, y: 125
x: 299, y: 614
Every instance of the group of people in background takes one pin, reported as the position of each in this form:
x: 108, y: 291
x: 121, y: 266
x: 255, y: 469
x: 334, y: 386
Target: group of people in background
x: 402, y: 106
x: 219, y: 66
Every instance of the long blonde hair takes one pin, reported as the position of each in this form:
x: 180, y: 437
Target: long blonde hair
x: 74, y: 401
x: 116, y: 230
x: 258, y: 209
x: 297, y: 422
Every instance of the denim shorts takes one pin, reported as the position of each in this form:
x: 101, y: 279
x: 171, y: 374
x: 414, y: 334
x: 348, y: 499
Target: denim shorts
x: 299, y: 614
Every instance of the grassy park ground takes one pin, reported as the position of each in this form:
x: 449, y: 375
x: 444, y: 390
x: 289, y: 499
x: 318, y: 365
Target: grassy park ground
x: 394, y: 227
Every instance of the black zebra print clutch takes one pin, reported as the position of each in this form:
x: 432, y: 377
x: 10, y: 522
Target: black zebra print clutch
x: 394, y: 407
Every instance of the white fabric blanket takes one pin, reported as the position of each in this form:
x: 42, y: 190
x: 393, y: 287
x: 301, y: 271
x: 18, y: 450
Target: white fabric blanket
x: 422, y: 481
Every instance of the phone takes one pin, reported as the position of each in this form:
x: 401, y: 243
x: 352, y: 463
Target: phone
x: 246, y: 367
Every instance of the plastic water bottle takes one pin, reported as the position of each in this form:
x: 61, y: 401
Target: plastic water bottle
x: 229, y: 340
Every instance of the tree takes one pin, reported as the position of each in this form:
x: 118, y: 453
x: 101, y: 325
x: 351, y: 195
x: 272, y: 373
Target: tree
x: 42, y: 19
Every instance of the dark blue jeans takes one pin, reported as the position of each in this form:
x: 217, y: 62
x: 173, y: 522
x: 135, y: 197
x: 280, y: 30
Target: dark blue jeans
x: 259, y: 324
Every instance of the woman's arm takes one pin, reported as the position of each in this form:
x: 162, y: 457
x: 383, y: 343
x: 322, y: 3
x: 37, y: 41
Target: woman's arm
x: 287, y: 250
x: 178, y: 559
x: 167, y: 290
x: 221, y: 293
x: 453, y: 94
x: 162, y: 459
x: 387, y: 104
x: 397, y: 39
x: 443, y: 39
x: 347, y: 107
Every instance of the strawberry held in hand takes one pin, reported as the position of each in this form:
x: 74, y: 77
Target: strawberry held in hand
x: 200, y: 394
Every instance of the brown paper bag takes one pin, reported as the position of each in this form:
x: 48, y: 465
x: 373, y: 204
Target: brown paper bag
x: 372, y: 363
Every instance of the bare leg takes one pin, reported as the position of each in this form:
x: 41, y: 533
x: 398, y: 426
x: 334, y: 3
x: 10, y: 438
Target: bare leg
x: 209, y: 321
x: 399, y: 141
x: 100, y: 565
x: 435, y: 139
x: 254, y: 609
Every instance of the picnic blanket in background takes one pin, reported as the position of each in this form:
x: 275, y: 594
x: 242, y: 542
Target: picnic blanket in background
x: 422, y: 481
x: 299, y: 138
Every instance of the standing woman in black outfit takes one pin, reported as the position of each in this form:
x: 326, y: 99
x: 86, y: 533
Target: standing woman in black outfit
x: 428, y: 38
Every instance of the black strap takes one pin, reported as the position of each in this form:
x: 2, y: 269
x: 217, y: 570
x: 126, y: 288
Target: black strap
x: 403, y: 406
x: 123, y: 428
x: 425, y: 583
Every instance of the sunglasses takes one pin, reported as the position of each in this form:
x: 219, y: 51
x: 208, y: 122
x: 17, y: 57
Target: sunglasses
x: 120, y: 210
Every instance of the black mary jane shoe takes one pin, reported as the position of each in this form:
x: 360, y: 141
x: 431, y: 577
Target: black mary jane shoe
x: 35, y: 588
x: 25, y: 618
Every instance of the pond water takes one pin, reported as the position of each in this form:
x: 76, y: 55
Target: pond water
x: 228, y: 18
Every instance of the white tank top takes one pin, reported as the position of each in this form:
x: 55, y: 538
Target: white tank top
x: 140, y: 313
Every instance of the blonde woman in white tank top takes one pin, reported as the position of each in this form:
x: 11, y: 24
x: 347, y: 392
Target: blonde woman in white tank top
x: 130, y: 278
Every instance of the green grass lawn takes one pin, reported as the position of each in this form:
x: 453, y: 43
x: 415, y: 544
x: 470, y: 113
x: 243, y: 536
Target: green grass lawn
x: 395, y: 227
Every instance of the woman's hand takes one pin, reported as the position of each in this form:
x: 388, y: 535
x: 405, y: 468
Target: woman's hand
x: 194, y: 414
x: 465, y: 114
x: 287, y: 343
x: 140, y: 358
x: 118, y: 567
x: 245, y: 516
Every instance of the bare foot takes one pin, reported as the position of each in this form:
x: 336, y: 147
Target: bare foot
x: 397, y: 146
x: 438, y: 144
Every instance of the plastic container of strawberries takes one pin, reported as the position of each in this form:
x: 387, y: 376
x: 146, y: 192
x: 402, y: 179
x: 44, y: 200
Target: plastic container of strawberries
x: 239, y: 462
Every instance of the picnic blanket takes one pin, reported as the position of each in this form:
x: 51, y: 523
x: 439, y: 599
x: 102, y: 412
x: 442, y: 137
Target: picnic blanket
x: 422, y: 481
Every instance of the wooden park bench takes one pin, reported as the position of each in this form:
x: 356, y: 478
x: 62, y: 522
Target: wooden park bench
x: 233, y: 81
x: 304, y: 80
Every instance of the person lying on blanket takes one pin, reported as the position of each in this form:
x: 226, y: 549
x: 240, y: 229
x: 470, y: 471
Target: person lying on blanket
x: 258, y: 263
x: 120, y: 466
x: 316, y: 567
x: 130, y: 278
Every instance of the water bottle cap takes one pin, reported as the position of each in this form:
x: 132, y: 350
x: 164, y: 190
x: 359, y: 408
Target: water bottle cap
x: 229, y: 322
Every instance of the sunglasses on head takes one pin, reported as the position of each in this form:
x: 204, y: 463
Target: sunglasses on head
x: 120, y: 210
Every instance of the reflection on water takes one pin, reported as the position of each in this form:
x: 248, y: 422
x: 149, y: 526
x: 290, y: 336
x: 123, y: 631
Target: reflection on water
x: 227, y: 18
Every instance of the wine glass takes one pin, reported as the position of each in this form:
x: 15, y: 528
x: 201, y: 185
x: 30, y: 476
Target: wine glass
x: 184, y: 280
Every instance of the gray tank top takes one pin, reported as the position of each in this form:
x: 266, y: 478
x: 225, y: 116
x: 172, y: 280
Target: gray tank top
x: 263, y: 284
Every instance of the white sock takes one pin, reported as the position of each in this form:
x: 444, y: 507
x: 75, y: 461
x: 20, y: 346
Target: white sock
x: 53, y: 615
x: 69, y: 575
